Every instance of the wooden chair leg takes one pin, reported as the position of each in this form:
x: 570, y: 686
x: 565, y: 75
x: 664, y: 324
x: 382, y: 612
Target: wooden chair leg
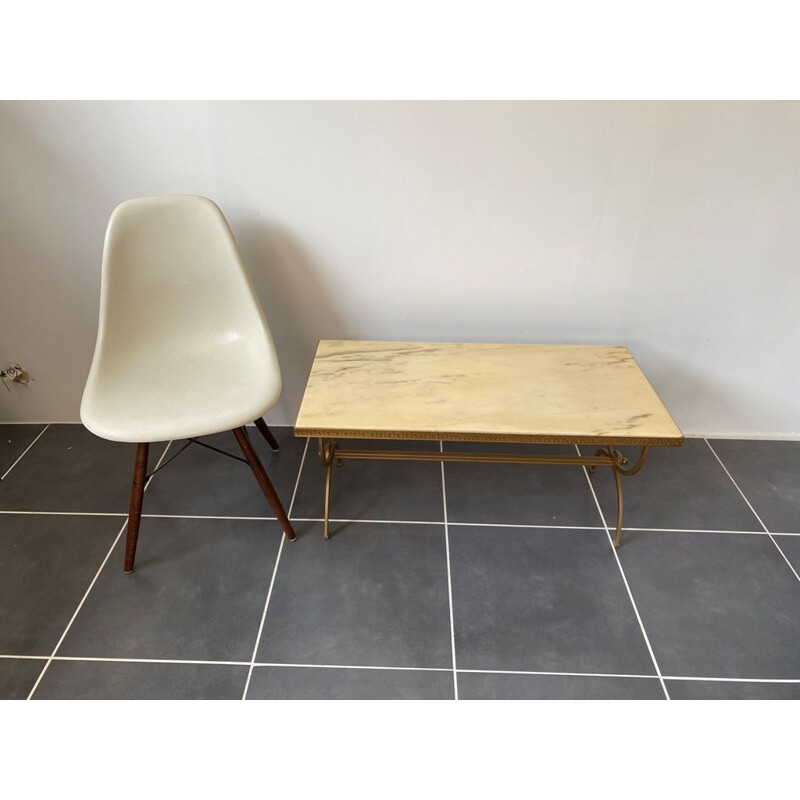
x: 267, y: 434
x: 264, y: 481
x: 135, y: 512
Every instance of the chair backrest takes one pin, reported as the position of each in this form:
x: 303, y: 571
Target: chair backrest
x: 173, y: 283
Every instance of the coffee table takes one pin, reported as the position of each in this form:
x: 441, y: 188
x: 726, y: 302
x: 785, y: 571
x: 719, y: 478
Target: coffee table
x: 502, y: 393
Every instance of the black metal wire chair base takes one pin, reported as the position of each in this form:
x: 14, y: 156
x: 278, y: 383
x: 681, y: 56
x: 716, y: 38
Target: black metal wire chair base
x: 194, y: 440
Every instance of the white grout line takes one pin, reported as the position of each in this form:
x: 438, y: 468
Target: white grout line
x: 131, y: 660
x: 154, y: 661
x: 691, y: 530
x: 381, y: 521
x: 761, y: 522
x: 557, y: 674
x: 400, y: 522
x: 274, y: 573
x: 755, y: 514
x: 75, y: 614
x: 354, y: 666
x: 24, y: 451
x: 449, y: 580
x: 522, y: 525
x: 91, y: 585
x: 122, y: 514
x: 399, y: 669
x: 69, y: 513
x: 731, y: 680
x: 38, y: 658
x: 263, y: 617
x: 625, y: 581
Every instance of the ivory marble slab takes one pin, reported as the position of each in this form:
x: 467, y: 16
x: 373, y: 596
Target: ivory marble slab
x: 482, y: 392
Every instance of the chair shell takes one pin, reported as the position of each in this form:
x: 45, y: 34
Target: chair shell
x: 183, y: 347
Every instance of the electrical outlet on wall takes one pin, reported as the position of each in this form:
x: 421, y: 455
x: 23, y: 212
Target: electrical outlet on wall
x: 15, y: 373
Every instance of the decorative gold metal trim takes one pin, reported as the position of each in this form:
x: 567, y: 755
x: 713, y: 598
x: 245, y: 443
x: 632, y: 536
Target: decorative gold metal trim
x: 495, y: 438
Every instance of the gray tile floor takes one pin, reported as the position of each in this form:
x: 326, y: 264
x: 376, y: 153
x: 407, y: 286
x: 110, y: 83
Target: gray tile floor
x: 470, y: 581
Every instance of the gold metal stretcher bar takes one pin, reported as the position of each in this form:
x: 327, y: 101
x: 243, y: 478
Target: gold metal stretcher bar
x: 606, y: 456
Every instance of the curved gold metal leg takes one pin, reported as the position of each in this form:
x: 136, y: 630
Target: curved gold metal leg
x: 326, y: 453
x: 618, y: 467
x: 618, y: 482
x: 322, y: 452
x: 637, y: 465
x: 328, y: 469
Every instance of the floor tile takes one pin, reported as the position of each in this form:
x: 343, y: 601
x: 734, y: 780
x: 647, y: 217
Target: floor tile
x: 17, y: 676
x: 732, y: 690
x: 202, y: 482
x: 678, y: 487
x: 518, y: 494
x: 120, y: 680
x: 714, y: 605
x: 790, y: 546
x: 14, y: 439
x: 374, y: 595
x: 718, y: 605
x: 46, y: 564
x: 198, y: 592
x: 496, y: 686
x: 290, y: 683
x: 767, y: 474
x: 541, y: 599
x: 71, y: 469
x: 390, y: 490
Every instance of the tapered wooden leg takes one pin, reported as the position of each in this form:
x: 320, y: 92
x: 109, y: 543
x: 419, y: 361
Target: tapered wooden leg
x: 135, y: 512
x: 267, y: 434
x: 264, y: 481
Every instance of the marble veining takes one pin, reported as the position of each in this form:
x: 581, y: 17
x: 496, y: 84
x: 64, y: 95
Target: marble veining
x: 482, y: 392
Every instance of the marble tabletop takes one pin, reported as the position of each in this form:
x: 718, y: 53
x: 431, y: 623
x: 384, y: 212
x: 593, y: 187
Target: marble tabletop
x: 483, y: 393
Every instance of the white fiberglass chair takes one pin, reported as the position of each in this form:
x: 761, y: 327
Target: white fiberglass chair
x: 183, y: 348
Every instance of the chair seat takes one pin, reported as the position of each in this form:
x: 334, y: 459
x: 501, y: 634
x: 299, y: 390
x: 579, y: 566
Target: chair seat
x: 183, y: 347
x: 152, y: 398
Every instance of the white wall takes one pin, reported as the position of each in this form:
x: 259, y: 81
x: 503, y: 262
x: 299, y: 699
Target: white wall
x: 669, y: 227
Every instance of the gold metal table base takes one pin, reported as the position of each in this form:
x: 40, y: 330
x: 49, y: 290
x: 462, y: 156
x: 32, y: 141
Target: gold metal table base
x: 606, y: 456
